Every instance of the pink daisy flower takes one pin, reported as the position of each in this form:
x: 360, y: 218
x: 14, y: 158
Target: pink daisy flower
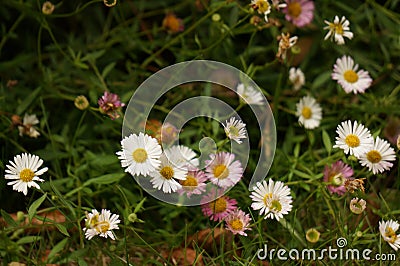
x: 223, y: 170
x: 217, y: 208
x: 299, y: 12
x: 336, y: 175
x: 110, y: 104
x: 237, y: 222
x: 194, y: 184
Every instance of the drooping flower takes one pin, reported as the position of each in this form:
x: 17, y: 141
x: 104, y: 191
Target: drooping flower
x: 167, y: 175
x: 217, y: 207
x: 263, y: 7
x: 338, y: 29
x: 172, y: 23
x: 24, y: 171
x: 249, y: 94
x: 309, y: 112
x: 312, y: 235
x: 299, y: 12
x: 336, y: 176
x: 357, y: 205
x: 110, y: 104
x: 285, y: 42
x: 27, y: 126
x: 235, y: 129
x: 182, y: 155
x: 353, y: 139
x: 140, y: 154
x: 272, y: 198
x: 101, y: 224
x: 194, y: 184
x: 223, y: 170
x: 238, y: 222
x: 351, y: 80
x: 388, y: 232
x: 352, y: 185
x: 297, y: 78
x: 378, y: 156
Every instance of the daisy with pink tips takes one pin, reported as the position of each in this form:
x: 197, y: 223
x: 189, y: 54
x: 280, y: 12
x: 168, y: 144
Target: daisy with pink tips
x: 336, y: 176
x: 194, y: 184
x: 217, y: 207
x: 299, y: 12
x: 238, y: 222
x: 223, y: 170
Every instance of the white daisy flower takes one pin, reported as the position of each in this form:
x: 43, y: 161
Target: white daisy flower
x: 164, y: 178
x: 378, y: 156
x: 262, y: 7
x: 338, y: 30
x: 182, y: 155
x: 388, y: 232
x: 297, y: 78
x: 101, y: 224
x: 235, y: 129
x: 249, y: 94
x: 223, y: 170
x: 309, y: 112
x: 273, y: 199
x: 354, y: 139
x: 351, y: 80
x: 25, y: 171
x: 27, y: 126
x: 140, y: 154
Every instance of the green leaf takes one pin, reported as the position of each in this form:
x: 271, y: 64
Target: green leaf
x: 321, y: 79
x: 62, y: 229
x: 27, y: 101
x: 9, y: 220
x: 57, y: 248
x: 105, y: 179
x: 139, y: 205
x: 107, y: 69
x: 93, y: 56
x: 34, y: 206
x: 28, y: 239
x: 327, y: 141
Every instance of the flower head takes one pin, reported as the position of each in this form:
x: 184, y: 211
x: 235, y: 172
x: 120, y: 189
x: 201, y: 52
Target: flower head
x: 81, y: 102
x: 262, y: 6
x: 47, y: 8
x: 101, y: 224
x: 312, y: 235
x: 223, y: 170
x: 166, y: 176
x: 272, y: 198
x: 194, y: 184
x: 235, y: 130
x: 297, y: 78
x: 27, y: 126
x: 24, y: 171
x: 299, y: 12
x: 110, y: 3
x: 249, y: 94
x: 338, y: 29
x: 110, y: 104
x: 351, y: 80
x: 140, y: 154
x: 357, y: 205
x: 169, y: 133
x: 182, y: 155
x: 377, y: 157
x: 238, y: 222
x: 353, y: 139
x: 352, y: 185
x: 309, y: 112
x: 285, y: 42
x: 336, y: 176
x: 388, y: 232
x: 172, y: 23
x: 217, y: 207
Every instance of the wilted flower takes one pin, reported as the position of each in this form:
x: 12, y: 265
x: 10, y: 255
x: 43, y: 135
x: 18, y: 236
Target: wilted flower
x: 81, y: 102
x: 27, y: 126
x: 357, y: 205
x: 354, y: 184
x: 312, y: 235
x: 47, y: 8
x: 110, y: 104
x: 285, y: 42
x: 297, y: 78
x: 172, y: 23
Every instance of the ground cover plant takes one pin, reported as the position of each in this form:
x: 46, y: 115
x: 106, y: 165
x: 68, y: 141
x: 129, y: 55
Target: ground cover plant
x: 85, y: 180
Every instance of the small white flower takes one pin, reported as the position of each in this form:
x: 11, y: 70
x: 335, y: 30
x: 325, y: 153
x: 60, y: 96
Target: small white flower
x: 101, y: 224
x: 297, y: 78
x: 25, y: 171
x: 249, y: 94
x: 235, y: 130
x: 27, y: 126
x: 262, y: 7
x: 140, y: 154
x: 338, y: 30
x: 309, y: 112
x: 351, y: 80
x: 223, y: 170
x: 166, y: 176
x: 378, y: 156
x: 273, y: 199
x: 354, y: 139
x: 388, y: 232
x: 182, y: 155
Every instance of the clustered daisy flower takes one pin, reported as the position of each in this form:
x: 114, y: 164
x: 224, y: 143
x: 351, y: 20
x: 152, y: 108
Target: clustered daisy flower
x: 238, y: 222
x: 217, y: 207
x: 388, y: 232
x: 377, y: 158
x: 338, y: 29
x: 336, y: 176
x: 249, y: 94
x: 262, y: 6
x: 100, y: 224
x: 194, y: 183
x: 235, y: 129
x: 299, y: 12
x: 27, y: 127
x: 309, y: 112
x: 297, y: 78
x: 223, y: 170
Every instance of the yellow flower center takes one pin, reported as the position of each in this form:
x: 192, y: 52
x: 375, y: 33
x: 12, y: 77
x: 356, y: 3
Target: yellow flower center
x: 233, y: 131
x: 337, y: 28
x: 103, y: 227
x: 190, y: 183
x: 294, y: 9
x: 352, y: 141
x: 221, y: 171
x: 267, y: 198
x: 236, y: 224
x: 139, y: 155
x: 167, y: 172
x: 389, y: 233
x: 374, y: 156
x: 219, y: 205
x: 262, y: 6
x: 350, y: 76
x: 306, y: 112
x: 336, y: 179
x: 276, y: 205
x: 26, y: 175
